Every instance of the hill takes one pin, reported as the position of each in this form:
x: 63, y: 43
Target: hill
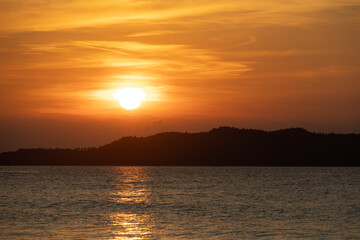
x: 224, y: 146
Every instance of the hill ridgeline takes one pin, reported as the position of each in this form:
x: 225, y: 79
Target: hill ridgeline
x: 224, y: 146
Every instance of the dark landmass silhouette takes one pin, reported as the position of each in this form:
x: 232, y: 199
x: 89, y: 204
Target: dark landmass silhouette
x: 224, y: 146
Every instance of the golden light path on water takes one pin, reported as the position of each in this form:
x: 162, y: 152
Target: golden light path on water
x: 131, y: 190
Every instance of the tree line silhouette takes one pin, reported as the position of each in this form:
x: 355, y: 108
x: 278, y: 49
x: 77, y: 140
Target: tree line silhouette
x: 223, y: 146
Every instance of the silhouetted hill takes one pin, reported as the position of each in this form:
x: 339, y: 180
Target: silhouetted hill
x: 222, y: 146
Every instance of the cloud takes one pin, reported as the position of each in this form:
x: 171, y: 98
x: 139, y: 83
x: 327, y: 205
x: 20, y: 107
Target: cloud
x: 228, y: 58
x: 19, y: 15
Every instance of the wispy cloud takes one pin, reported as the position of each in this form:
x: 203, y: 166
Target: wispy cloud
x: 47, y: 15
x: 197, y: 57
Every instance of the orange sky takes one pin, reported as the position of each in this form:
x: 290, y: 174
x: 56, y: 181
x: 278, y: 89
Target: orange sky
x: 202, y: 64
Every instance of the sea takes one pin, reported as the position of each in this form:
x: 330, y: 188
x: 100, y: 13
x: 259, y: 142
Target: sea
x: 128, y: 203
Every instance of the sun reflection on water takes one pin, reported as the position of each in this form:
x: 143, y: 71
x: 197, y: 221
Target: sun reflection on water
x: 131, y: 226
x: 131, y: 192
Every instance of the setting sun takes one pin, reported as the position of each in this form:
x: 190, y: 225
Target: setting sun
x: 129, y: 98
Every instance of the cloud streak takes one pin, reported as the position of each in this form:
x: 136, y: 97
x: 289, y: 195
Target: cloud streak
x: 213, y: 61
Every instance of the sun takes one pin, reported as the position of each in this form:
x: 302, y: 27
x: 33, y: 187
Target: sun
x: 129, y: 98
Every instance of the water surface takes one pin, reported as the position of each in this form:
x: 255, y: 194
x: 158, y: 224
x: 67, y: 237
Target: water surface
x: 179, y: 203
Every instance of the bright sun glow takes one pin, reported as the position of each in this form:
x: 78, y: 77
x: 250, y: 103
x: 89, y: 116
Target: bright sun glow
x: 129, y: 98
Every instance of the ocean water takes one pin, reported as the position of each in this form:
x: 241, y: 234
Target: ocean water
x: 179, y: 203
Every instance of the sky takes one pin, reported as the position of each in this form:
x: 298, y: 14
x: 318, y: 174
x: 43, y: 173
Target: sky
x: 202, y: 64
